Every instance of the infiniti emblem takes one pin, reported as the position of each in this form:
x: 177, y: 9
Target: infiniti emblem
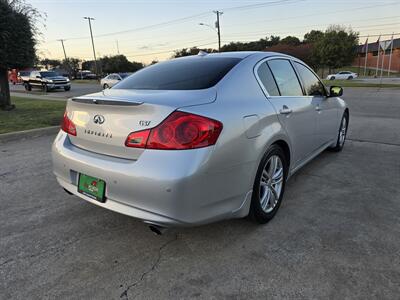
x: 98, y: 119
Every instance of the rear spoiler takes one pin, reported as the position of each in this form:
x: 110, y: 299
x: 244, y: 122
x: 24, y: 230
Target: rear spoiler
x: 105, y: 101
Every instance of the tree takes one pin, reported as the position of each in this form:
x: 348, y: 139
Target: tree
x: 47, y: 63
x: 303, y: 51
x: 259, y: 45
x: 337, y: 47
x: 290, y: 40
x: 118, y: 63
x: 190, y: 51
x: 313, y: 36
x: 17, y: 42
x: 71, y: 64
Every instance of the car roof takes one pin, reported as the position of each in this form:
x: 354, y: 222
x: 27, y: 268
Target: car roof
x: 239, y: 54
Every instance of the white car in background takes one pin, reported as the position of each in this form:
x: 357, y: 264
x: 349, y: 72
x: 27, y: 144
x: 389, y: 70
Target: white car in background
x: 113, y: 79
x: 347, y: 75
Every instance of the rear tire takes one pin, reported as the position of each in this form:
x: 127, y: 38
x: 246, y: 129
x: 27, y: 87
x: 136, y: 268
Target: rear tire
x: 342, y: 134
x: 350, y: 78
x: 269, y: 185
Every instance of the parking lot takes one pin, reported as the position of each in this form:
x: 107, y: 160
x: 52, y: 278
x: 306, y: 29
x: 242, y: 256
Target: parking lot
x: 336, y: 236
x: 77, y: 89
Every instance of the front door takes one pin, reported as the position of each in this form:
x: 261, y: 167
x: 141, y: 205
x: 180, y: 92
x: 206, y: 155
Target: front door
x: 296, y: 112
x: 325, y: 106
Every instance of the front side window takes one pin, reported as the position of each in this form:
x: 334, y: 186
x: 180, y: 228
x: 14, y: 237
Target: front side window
x: 191, y: 73
x: 312, y: 85
x: 267, y: 79
x: 285, y: 77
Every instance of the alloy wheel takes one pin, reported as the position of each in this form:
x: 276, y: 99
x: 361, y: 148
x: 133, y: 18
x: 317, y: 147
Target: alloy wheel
x: 271, y: 183
x: 342, y: 132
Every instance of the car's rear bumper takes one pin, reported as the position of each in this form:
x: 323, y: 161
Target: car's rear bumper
x: 168, y: 188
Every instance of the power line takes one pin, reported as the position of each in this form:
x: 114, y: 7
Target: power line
x: 171, y: 22
x: 324, y: 13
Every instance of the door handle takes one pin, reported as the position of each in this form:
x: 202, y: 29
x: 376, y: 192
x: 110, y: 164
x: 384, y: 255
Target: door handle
x: 285, y: 110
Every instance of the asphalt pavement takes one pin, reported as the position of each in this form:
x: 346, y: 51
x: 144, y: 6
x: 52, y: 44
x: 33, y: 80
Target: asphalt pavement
x: 336, y: 235
x: 77, y: 89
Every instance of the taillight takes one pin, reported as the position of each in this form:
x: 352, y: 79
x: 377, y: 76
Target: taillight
x: 177, y: 132
x: 67, y: 125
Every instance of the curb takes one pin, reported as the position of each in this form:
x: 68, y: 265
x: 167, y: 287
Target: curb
x: 32, y: 133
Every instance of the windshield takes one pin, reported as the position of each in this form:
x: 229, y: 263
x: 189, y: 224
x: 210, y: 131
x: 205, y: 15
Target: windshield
x: 181, y: 74
x: 48, y: 74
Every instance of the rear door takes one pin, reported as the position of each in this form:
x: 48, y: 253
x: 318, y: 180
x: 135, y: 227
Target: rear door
x: 325, y: 106
x: 295, y: 111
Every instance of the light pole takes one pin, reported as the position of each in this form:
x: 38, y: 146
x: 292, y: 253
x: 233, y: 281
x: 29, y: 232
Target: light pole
x: 203, y: 24
x: 218, y: 30
x: 94, y: 52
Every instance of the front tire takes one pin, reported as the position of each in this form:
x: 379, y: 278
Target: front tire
x: 67, y: 88
x: 332, y: 78
x: 105, y: 86
x: 269, y: 185
x: 350, y: 78
x: 342, y: 134
x: 28, y: 87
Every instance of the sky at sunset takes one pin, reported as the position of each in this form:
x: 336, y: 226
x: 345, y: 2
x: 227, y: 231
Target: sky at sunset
x: 151, y: 30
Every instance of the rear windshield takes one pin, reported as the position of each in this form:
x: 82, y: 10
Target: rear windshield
x: 180, y: 74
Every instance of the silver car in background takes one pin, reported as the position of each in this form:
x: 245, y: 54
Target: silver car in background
x: 199, y: 139
x: 112, y: 79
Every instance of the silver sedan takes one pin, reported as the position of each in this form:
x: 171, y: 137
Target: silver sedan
x: 199, y: 139
x: 112, y: 79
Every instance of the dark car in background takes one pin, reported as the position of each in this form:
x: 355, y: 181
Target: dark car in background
x: 47, y: 81
x: 85, y: 74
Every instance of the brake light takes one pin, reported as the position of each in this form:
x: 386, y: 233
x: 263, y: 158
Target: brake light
x: 137, y: 139
x: 178, y: 131
x: 67, y: 125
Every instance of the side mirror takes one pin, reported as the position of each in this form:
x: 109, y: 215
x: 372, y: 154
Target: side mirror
x: 335, y: 91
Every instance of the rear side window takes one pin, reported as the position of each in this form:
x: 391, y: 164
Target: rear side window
x: 285, y: 77
x: 311, y: 83
x: 181, y: 74
x: 267, y: 79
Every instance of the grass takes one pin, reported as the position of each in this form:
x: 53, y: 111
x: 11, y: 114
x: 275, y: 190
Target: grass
x: 355, y: 83
x: 30, y: 114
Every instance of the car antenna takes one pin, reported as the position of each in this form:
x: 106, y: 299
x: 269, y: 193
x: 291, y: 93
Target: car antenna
x: 202, y: 53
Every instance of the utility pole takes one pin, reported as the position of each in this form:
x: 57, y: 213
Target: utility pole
x: 94, y: 52
x: 218, y: 13
x: 62, y: 43
x: 65, y: 56
x: 117, y: 46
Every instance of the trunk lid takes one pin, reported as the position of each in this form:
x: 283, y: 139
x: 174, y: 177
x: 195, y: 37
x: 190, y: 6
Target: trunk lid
x: 104, y: 120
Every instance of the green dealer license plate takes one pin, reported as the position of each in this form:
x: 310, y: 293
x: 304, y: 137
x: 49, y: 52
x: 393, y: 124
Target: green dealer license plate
x: 92, y: 187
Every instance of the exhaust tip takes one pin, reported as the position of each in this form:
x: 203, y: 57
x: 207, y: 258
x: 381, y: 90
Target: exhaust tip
x: 157, y: 229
